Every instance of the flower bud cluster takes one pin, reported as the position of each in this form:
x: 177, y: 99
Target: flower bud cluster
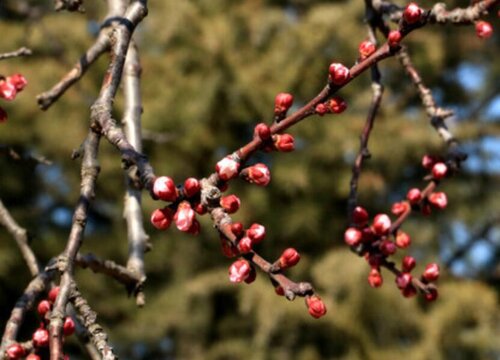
x: 10, y: 86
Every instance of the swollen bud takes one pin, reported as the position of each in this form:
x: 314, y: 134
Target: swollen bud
x: 375, y: 278
x: 239, y: 271
x: 360, y: 216
x: 403, y: 240
x: 257, y: 233
x: 284, y: 142
x: 315, y: 306
x: 337, y: 105
x: 164, y: 188
x: 439, y: 200
x: 484, y: 29
x: 408, y: 263
x: 227, y: 168
x: 412, y: 13
x: 282, y: 103
x: 18, y: 81
x: 366, y: 48
x: 184, y: 216
x: 40, y: 338
x: 69, y: 326
x: 257, y: 174
x: 414, y: 196
x: 381, y: 224
x: 431, y: 272
x: 289, y: 258
x: 394, y: 38
x: 339, y: 73
x: 353, y: 236
x: 263, y: 131
x: 191, y: 187
x: 43, y: 308
x: 439, y: 170
x: 230, y: 203
x: 162, y: 218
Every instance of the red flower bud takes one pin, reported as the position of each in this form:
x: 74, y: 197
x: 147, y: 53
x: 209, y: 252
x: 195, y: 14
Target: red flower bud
x: 399, y: 208
x: 414, y: 196
x: 257, y: 233
x: 184, y: 216
x: 381, y: 224
x: 164, y: 188
x: 7, y: 90
x: 41, y: 338
x: 431, y: 295
x: 191, y: 187
x: 251, y: 276
x: 321, y: 109
x: 230, y: 203
x: 239, y: 271
x: 428, y: 161
x: 353, y: 236
x: 289, y: 258
x: 366, y: 48
x: 15, y: 351
x: 360, y: 216
x: 439, y: 170
x: 262, y: 131
x: 33, y: 357
x: 162, y: 218
x: 53, y: 294
x: 227, y: 248
x: 408, y: 263
x: 394, y: 38
x: 282, y: 103
x: 18, y: 80
x: 284, y: 142
x: 337, y: 105
x: 227, y: 168
x: 368, y: 235
x: 258, y: 174
x: 69, y: 326
x: 3, y: 115
x: 412, y: 13
x: 375, y: 278
x: 199, y: 209
x: 387, y: 247
x: 315, y: 306
x: 279, y: 290
x: 245, y: 245
x: 439, y: 200
x: 403, y: 240
x: 43, y: 308
x: 403, y: 280
x: 409, y: 291
x: 431, y: 272
x: 237, y: 229
x: 339, y: 74
x: 373, y: 260
x: 484, y: 29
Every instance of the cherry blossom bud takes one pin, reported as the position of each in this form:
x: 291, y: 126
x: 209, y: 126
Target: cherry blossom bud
x: 15, y: 351
x: 412, y: 13
x: 289, y: 258
x: 375, y: 278
x: 409, y: 291
x: 394, y: 38
x: 53, y: 294
x: 164, y: 188
x: 366, y: 48
x: 43, y: 308
x: 403, y: 240
x: 360, y: 216
x: 321, y: 109
x: 353, y: 236
x: 408, y: 263
x: 33, y: 357
x: 439, y: 200
x: 428, y: 161
x: 257, y: 233
x: 431, y: 295
x: 191, y: 187
x: 337, y: 105
x: 69, y: 326
x: 414, y: 196
x: 3, y: 115
x: 387, y: 247
x: 368, y: 235
x: 373, y: 260
x: 399, y: 208
x: 40, y: 338
x: 230, y: 203
x: 403, y: 280
x: 227, y: 168
x: 199, y: 209
x: 284, y: 142
x: 258, y: 174
x: 251, y: 276
x: 227, y: 248
x: 339, y: 74
x: 18, y: 80
x: 7, y: 90
x: 245, y: 245
x: 282, y: 103
x: 239, y: 271
x: 237, y: 229
x: 279, y: 290
x: 184, y: 216
x: 315, y: 306
x: 263, y: 131
x: 381, y: 224
x: 439, y: 170
x: 162, y: 218
x: 484, y: 29
x: 431, y: 272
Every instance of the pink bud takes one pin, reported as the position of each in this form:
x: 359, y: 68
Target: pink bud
x: 484, y: 29
x: 262, y: 131
x: 53, y: 294
x: 237, y: 229
x: 282, y: 103
x: 40, y: 338
x: 412, y: 13
x: 230, y: 203
x: 360, y: 216
x: 15, y: 351
x: 239, y: 271
x: 3, y: 115
x: 257, y: 233
x: 353, y: 236
x: 43, y: 308
x: 162, y: 218
x: 69, y: 326
x: 245, y: 245
x: 315, y: 306
x: 284, y: 142
x: 403, y: 240
x: 164, y: 188
x: 366, y: 48
x: 375, y: 278
x: 428, y: 161
x: 381, y: 224
x: 199, y: 208
x: 7, y: 90
x: 414, y: 196
x: 408, y: 263
x: 399, y: 208
x: 337, y: 105
x: 18, y: 80
x: 431, y: 272
x: 33, y: 357
x: 191, y: 187
x: 339, y: 74
x: 403, y: 280
x: 289, y: 258
x: 394, y: 38
x: 439, y: 170
x: 184, y: 216
x: 387, y: 247
x: 258, y: 174
x: 431, y: 295
x: 439, y: 200
x: 321, y: 109
x: 227, y: 168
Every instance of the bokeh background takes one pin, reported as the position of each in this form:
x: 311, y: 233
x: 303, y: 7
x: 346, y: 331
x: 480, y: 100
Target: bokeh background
x: 211, y: 69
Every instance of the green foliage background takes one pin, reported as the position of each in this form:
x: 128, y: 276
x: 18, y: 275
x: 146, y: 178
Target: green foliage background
x: 211, y: 69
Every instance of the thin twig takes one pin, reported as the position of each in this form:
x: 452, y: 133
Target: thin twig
x: 24, y: 51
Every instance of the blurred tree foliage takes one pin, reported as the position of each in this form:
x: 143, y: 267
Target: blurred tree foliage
x: 211, y: 69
